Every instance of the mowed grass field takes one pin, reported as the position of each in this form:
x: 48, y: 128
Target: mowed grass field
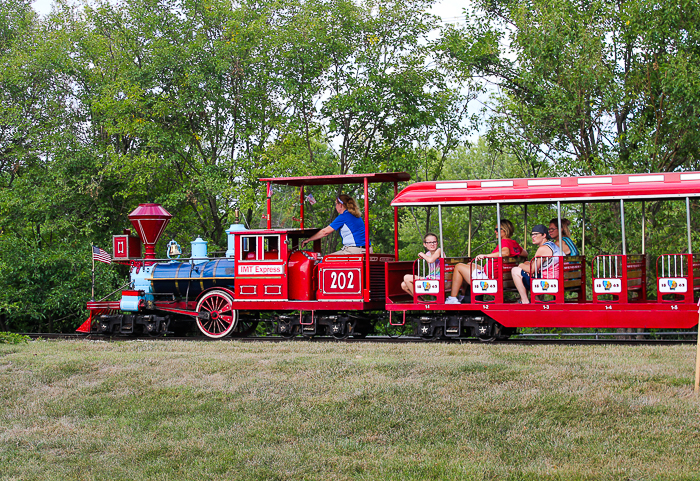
x: 302, y: 410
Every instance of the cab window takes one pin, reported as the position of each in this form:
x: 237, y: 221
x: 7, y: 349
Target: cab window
x: 248, y: 248
x: 271, y: 246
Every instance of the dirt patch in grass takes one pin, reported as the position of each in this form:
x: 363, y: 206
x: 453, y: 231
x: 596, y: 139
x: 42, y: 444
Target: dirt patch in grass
x: 174, y: 410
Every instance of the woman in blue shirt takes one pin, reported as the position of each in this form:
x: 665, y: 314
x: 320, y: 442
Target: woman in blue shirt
x: 349, y: 225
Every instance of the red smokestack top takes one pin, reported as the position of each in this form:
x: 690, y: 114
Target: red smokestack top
x: 150, y: 220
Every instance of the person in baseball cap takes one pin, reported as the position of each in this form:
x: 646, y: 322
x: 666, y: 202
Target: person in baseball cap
x: 544, y: 265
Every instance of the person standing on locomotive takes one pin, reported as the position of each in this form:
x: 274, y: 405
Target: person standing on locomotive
x: 543, y: 268
x: 349, y: 225
x: 430, y: 242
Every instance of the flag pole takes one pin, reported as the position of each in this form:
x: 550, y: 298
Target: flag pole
x: 92, y: 254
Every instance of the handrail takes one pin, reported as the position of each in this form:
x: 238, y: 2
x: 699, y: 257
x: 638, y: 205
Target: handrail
x: 675, y: 277
x: 433, y: 276
x: 621, y: 276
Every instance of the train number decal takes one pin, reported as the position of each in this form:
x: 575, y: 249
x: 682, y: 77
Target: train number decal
x: 342, y: 281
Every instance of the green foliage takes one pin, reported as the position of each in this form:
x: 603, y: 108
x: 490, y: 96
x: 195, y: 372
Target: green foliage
x: 592, y: 87
x: 13, y: 338
x: 188, y: 103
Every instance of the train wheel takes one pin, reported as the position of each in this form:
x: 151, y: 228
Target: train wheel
x: 436, y: 335
x: 496, y: 334
x: 244, y: 328
x: 222, y: 317
x: 286, y: 330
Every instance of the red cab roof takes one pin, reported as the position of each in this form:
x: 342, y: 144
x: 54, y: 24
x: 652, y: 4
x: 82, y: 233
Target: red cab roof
x: 340, y: 179
x: 545, y: 190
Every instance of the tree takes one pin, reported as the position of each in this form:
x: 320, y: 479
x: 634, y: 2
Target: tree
x: 591, y: 86
x: 188, y: 103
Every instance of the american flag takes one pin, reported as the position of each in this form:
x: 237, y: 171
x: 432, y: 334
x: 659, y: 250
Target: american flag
x: 101, y: 255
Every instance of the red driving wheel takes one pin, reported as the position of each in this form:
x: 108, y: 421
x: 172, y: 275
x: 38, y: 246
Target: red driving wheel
x: 222, y: 317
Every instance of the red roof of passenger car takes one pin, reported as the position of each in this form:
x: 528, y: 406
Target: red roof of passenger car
x: 552, y: 189
x: 340, y: 179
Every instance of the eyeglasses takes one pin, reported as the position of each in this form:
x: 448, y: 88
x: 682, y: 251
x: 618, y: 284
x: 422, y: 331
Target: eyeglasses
x: 536, y: 233
x: 430, y: 242
x: 551, y: 229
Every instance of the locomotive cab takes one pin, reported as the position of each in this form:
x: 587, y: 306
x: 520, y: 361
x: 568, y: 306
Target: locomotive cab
x: 261, y: 265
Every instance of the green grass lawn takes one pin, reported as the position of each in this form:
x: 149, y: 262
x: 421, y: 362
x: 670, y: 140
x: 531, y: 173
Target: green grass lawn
x: 300, y: 410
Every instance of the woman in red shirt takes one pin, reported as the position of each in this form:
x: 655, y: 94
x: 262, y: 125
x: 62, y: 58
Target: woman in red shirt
x: 464, y: 273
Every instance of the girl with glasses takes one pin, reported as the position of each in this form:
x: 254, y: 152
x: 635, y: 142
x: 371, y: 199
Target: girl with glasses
x: 432, y: 256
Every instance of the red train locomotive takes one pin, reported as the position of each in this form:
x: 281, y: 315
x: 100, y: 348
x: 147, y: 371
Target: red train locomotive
x: 265, y: 274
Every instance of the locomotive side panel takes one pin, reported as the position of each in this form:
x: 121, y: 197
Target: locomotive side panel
x: 340, y: 277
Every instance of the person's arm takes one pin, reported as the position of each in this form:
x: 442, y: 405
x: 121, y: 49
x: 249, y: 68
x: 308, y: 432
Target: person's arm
x: 564, y: 247
x: 505, y: 252
x: 542, y: 251
x: 431, y: 258
x: 326, y: 231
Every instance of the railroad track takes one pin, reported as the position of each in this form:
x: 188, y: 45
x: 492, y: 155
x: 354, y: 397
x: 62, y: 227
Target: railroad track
x: 369, y: 339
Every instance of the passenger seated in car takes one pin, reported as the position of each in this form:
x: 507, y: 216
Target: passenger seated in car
x: 431, y: 257
x: 543, y: 268
x: 567, y: 244
x: 464, y: 273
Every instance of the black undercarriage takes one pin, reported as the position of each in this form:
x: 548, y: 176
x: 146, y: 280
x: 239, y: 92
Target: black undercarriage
x: 308, y: 324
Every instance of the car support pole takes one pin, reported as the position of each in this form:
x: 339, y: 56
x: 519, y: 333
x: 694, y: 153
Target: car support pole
x: 525, y: 236
x: 366, y: 293
x: 622, y: 224
x: 697, y: 357
x: 469, y: 239
x: 583, y: 231
x: 269, y: 205
x: 301, y: 202
x: 396, y: 224
x: 498, y: 229
x: 687, y: 215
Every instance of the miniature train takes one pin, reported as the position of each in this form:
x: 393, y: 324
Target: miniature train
x: 265, y: 276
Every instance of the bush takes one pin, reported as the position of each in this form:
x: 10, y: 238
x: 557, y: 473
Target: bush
x: 12, y: 338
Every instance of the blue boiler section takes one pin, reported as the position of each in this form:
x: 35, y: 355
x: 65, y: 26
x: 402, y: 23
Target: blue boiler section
x: 186, y: 279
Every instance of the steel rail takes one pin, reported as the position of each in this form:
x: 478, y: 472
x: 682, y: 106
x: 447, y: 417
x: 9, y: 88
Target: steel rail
x: 528, y: 339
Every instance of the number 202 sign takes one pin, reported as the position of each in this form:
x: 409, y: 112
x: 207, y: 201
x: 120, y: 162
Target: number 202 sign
x: 341, y: 281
